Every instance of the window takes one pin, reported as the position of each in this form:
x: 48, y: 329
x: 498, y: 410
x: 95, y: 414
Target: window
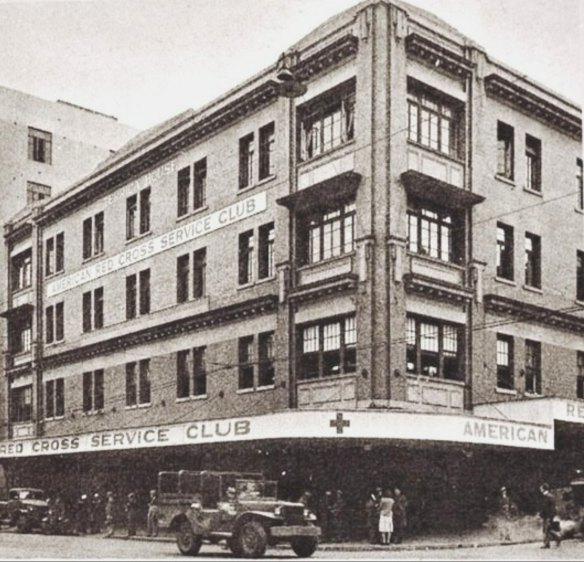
x: 145, y: 210
x: 328, y: 121
x: 199, y: 272
x: 36, y: 192
x: 93, y: 236
x: 93, y: 394
x: 21, y: 404
x: 138, y: 286
x: 267, y: 146
x: 433, y: 348
x: 532, y: 260
x: 138, y: 223
x: 504, y: 251
x: 93, y: 309
x: 505, y: 147
x: 55, y: 323
x: 131, y: 288
x: 246, y: 363
x: 55, y: 398
x: 266, y: 251
x: 21, y: 270
x: 580, y: 276
x: 434, y: 120
x: 191, y: 373
x: 266, y: 359
x: 183, y: 188
x: 131, y: 216
x: 533, y: 163
x: 20, y: 332
x: 138, y: 385
x: 327, y: 234
x: 246, y: 161
x: 532, y: 367
x: 39, y: 145
x: 580, y: 376
x: 580, y: 183
x: 182, y: 278
x: 505, y: 379
x: 145, y: 291
x: 435, y: 233
x: 200, y: 184
x: 246, y: 257
x: 328, y: 348
x: 54, y: 254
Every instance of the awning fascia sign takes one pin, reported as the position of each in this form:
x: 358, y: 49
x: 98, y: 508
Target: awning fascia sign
x: 321, y: 424
x: 535, y: 410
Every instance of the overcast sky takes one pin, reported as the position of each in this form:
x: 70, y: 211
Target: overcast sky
x: 147, y: 60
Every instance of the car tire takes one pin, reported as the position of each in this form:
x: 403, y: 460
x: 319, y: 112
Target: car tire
x: 188, y: 543
x: 251, y: 540
x: 304, y: 547
x: 22, y: 524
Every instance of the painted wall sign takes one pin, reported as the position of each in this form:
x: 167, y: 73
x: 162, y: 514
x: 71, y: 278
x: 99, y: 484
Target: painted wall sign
x: 185, y: 233
x: 321, y: 424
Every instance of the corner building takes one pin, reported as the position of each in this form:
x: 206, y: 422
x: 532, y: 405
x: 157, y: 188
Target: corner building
x: 373, y: 280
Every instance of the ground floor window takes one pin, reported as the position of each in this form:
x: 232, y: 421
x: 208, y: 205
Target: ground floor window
x: 434, y: 348
x: 328, y: 348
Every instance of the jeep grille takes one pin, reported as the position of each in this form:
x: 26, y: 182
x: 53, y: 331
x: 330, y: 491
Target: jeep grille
x: 293, y: 515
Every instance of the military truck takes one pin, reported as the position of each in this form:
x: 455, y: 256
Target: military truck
x: 240, y: 509
x: 24, y: 508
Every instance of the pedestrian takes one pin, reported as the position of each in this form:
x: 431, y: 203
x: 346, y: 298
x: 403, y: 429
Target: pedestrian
x: 400, y: 515
x: 110, y: 507
x: 338, y: 514
x: 372, y: 516
x: 153, y: 512
x: 132, y: 513
x: 548, y: 514
x: 306, y: 499
x: 506, y: 510
x: 325, y: 515
x: 386, y: 517
x: 95, y: 514
x: 81, y: 515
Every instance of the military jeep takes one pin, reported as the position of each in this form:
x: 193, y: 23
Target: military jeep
x: 240, y: 509
x: 24, y: 508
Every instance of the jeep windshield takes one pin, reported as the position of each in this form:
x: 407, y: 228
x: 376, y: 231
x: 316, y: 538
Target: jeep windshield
x: 249, y: 490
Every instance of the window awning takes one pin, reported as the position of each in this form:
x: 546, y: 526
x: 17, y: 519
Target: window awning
x: 437, y: 191
x: 17, y: 310
x: 323, y: 194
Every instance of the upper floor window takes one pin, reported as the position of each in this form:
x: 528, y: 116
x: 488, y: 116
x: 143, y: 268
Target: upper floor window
x: 21, y: 270
x: 93, y: 391
x: 21, y: 404
x: 138, y: 294
x: 198, y: 198
x: 327, y: 121
x: 93, y: 235
x: 183, y: 185
x: 246, y: 363
x: 200, y: 184
x: 532, y: 260
x: 93, y: 310
x: 246, y: 161
x: 183, y: 277
x: 436, y: 233
x: 266, y: 369
x: 55, y: 398
x: 532, y: 163
x: 505, y: 362
x: 434, y: 120
x: 55, y: 322
x: 580, y: 376
x: 505, y: 149
x: 40, y: 145
x: 191, y: 372
x: 36, y: 192
x: 505, y: 251
x: 20, y: 333
x: 267, y: 154
x: 138, y: 385
x: 266, y: 251
x: 55, y: 254
x: 138, y: 214
x: 580, y: 275
x: 328, y: 348
x: 580, y: 183
x: 433, y: 348
x: 532, y: 367
x: 246, y: 257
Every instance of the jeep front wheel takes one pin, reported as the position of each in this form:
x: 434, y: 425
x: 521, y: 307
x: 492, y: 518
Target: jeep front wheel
x: 251, y: 540
x: 188, y: 543
x: 304, y: 547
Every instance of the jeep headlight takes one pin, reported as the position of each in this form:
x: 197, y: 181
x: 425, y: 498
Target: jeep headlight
x: 29, y: 508
x: 278, y: 511
x: 309, y: 516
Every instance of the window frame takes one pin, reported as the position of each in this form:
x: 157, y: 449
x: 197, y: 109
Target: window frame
x: 21, y: 412
x: 138, y: 384
x: 40, y: 146
x: 580, y: 275
x: 247, y: 161
x: 246, y: 363
x: 266, y: 245
x: 532, y: 260
x: 199, y: 184
x: 505, y: 373
x: 93, y: 243
x: 93, y: 391
x: 533, y: 163
x: 246, y: 258
x: 54, y: 399
x: 533, y: 367
x: 505, y: 151
x: 266, y: 360
x: 191, y: 373
x: 505, y: 261
x: 267, y: 151
x: 21, y: 270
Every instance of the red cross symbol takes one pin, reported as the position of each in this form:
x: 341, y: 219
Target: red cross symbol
x: 340, y: 423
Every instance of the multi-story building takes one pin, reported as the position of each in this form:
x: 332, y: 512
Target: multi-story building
x: 44, y: 147
x: 362, y: 266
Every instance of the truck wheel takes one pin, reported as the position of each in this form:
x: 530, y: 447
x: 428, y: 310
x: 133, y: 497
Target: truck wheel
x: 22, y: 524
x: 251, y: 540
x: 188, y: 543
x: 304, y: 546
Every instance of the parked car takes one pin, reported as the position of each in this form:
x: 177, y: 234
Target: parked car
x: 24, y: 508
x: 239, y: 508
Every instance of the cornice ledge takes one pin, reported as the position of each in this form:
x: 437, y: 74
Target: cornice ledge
x: 434, y: 288
x: 533, y: 313
x: 341, y: 49
x: 332, y: 285
x: 533, y: 105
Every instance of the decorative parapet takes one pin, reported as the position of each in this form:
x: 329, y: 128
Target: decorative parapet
x: 437, y: 55
x: 533, y: 105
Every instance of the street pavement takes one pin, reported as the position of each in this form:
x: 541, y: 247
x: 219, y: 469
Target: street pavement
x: 14, y: 546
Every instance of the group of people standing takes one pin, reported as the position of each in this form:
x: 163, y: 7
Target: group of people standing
x: 386, y: 512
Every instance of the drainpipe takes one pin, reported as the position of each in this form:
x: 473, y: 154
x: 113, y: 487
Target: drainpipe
x: 37, y: 345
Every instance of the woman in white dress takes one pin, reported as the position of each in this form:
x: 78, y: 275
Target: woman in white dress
x: 386, y: 517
